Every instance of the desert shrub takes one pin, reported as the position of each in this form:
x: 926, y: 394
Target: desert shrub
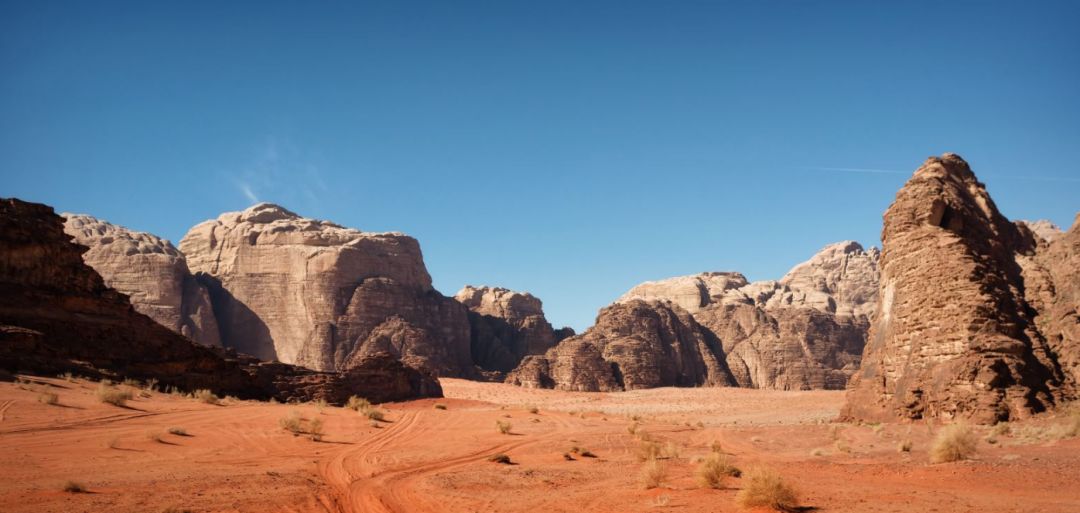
x: 374, y: 415
x: 653, y: 474
x: 132, y: 383
x: 503, y: 426
x: 715, y: 446
x: 178, y: 431
x: 713, y: 470
x: 1070, y: 429
x: 292, y: 423
x: 358, y: 403
x: 534, y: 410
x: 206, y: 396
x: 632, y: 428
x: 661, y: 501
x: 648, y: 450
x: 953, y: 443
x: 440, y: 406
x: 566, y: 456
x: 585, y: 453
x: 320, y: 404
x: 315, y: 429
x: 1000, y: 429
x: 69, y: 377
x: 375, y: 424
x: 500, y: 458
x: 73, y: 487
x: 107, y: 393
x: 671, y: 450
x: 49, y: 398
x: 904, y: 446
x: 151, y: 384
x: 154, y: 436
x: 764, y: 488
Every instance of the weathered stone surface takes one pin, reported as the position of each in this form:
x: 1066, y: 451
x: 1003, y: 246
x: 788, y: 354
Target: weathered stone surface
x: 953, y: 335
x: 57, y: 315
x: 634, y: 344
x: 150, y: 271
x: 1052, y: 287
x: 316, y: 294
x: 506, y: 326
x: 691, y: 293
x: 1043, y: 229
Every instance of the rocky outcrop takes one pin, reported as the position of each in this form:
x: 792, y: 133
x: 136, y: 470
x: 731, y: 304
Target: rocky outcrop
x: 57, y: 315
x: 316, y: 294
x: 1043, y: 229
x: 151, y: 272
x: 954, y: 334
x: 506, y: 326
x: 1052, y: 288
x: 691, y: 293
x: 634, y: 344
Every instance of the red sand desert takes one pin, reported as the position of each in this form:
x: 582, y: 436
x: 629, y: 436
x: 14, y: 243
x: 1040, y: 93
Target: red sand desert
x: 236, y: 456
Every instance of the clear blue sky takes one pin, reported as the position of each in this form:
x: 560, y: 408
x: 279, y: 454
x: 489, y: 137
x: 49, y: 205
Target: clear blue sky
x: 571, y: 149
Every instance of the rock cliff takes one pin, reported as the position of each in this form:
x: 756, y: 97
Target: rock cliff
x: 316, y: 294
x: 954, y: 334
x: 506, y: 326
x: 151, y: 272
x: 57, y: 315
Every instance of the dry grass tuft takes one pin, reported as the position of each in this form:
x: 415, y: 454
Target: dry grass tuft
x: 764, y: 488
x: 903, y: 446
x: 178, y: 431
x: 154, y: 436
x: 953, y: 443
x: 440, y: 406
x: 649, y: 450
x: 49, y: 398
x: 374, y: 415
x: 632, y: 428
x: 107, y: 393
x: 653, y: 474
x: 713, y: 470
x: 503, y: 426
x: 500, y: 458
x: 534, y: 410
x: 206, y: 396
x: 292, y: 423
x: 358, y: 403
x: 315, y: 429
x: 320, y: 404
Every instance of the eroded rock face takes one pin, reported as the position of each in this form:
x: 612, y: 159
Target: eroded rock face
x: 151, y: 272
x: 634, y: 344
x: 1052, y: 287
x: 57, y: 315
x: 506, y: 326
x: 316, y: 294
x: 691, y: 293
x: 953, y: 335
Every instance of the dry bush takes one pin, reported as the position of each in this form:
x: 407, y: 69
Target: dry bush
x: 671, y: 450
x: 440, y: 406
x: 648, y: 450
x: 178, y: 431
x: 713, y: 470
x: 585, y: 453
x: 661, y: 501
x: 374, y: 415
x: 73, y: 487
x: 904, y: 446
x: 566, y: 456
x: 764, y: 488
x: 49, y: 398
x: 1000, y: 429
x: 500, y: 458
x: 315, y: 429
x: 534, y: 410
x: 151, y: 385
x: 107, y: 393
x: 320, y: 404
x: 715, y: 446
x: 1070, y: 429
x: 953, y: 443
x: 358, y: 403
x: 503, y: 426
x: 632, y: 428
x: 653, y: 474
x: 154, y: 436
x: 206, y: 396
x: 292, y: 423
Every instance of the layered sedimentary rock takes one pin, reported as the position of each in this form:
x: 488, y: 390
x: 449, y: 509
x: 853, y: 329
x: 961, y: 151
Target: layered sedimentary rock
x: 1052, y: 287
x: 691, y: 293
x: 57, y: 315
x: 316, y: 294
x: 506, y: 326
x: 634, y: 344
x: 150, y: 271
x: 954, y: 334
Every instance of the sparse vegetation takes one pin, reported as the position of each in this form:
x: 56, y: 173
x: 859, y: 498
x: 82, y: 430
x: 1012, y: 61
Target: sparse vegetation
x: 715, y: 446
x: 566, y: 456
x: 107, y: 393
x: 440, y: 406
x: 500, y: 458
x: 585, y: 453
x: 661, y: 501
x: 534, y: 410
x: 315, y: 429
x: 320, y: 404
x: 292, y: 423
x: 904, y: 446
x: 206, y: 396
x: 953, y: 443
x: 648, y: 450
x: 358, y: 403
x: 49, y: 398
x: 73, y: 487
x: 712, y: 472
x: 503, y: 426
x: 375, y: 415
x: 178, y: 431
x: 154, y: 436
x: 817, y: 452
x: 653, y: 474
x: 765, y: 488
x: 632, y: 428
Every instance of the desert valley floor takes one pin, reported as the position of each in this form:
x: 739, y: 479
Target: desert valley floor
x: 236, y: 456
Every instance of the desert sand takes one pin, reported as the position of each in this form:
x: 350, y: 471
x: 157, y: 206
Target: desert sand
x: 236, y: 457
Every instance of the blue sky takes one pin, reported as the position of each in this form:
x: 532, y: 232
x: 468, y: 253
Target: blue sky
x: 571, y: 149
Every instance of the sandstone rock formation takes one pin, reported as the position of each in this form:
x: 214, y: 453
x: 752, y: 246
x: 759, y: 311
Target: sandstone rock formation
x: 634, y: 344
x: 150, y: 271
x: 57, y: 315
x: 691, y: 293
x: 1043, y: 229
x: 506, y: 326
x: 316, y: 294
x: 954, y: 334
